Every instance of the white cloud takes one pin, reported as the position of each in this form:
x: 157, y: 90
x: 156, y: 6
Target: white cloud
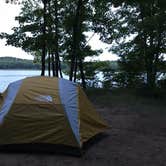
x: 7, y: 15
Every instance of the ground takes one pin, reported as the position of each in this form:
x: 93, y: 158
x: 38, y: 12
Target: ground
x: 137, y: 136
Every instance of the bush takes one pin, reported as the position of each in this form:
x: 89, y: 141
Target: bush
x: 161, y: 83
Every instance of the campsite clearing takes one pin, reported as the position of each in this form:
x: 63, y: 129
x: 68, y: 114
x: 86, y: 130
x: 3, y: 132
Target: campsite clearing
x: 137, y: 135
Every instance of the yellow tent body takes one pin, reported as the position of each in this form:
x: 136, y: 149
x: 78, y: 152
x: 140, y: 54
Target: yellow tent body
x: 46, y: 110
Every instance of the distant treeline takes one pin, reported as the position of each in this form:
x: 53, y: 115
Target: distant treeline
x: 16, y: 63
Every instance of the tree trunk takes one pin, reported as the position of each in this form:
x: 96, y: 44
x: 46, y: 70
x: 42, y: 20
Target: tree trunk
x: 75, y: 69
x: 53, y: 64
x: 44, y: 40
x: 60, y: 69
x: 157, y: 52
x: 56, y: 40
x: 49, y: 65
x: 151, y: 74
x: 151, y: 77
x: 76, y: 38
x: 82, y: 73
x: 148, y: 55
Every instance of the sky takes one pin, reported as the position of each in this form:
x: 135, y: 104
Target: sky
x: 7, y: 15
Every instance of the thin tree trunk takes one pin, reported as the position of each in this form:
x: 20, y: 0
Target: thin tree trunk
x: 76, y: 38
x: 157, y: 50
x: 53, y: 64
x: 44, y: 40
x: 60, y: 68
x: 148, y: 56
x: 151, y: 75
x: 49, y: 65
x: 56, y: 40
x: 56, y: 65
x: 50, y: 45
x: 82, y: 73
x: 75, y: 69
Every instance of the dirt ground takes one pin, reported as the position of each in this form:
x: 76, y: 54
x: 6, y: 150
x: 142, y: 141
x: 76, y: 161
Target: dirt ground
x: 134, y: 139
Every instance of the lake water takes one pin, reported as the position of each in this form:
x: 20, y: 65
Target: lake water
x: 8, y: 76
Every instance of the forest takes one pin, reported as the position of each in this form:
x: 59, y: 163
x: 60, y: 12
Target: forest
x: 55, y: 33
x: 16, y: 63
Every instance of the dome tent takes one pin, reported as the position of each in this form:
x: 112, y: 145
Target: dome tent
x: 47, y: 110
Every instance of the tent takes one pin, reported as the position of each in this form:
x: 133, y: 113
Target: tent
x: 47, y: 110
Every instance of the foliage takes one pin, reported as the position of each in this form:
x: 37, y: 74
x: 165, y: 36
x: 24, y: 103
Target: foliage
x: 54, y: 30
x: 99, y: 73
x: 137, y: 32
x: 16, y: 63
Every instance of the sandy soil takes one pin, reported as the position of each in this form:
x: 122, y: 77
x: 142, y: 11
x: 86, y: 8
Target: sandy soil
x: 135, y: 139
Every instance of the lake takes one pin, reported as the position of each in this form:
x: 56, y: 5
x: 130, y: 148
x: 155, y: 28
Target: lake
x: 8, y: 76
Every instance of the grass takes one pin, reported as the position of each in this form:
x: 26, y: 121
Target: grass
x: 131, y: 99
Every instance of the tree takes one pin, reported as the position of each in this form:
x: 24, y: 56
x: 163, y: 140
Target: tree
x: 13, y: 1
x: 76, y: 21
x: 44, y: 36
x: 37, y: 32
x: 137, y: 32
x: 51, y: 29
x: 30, y: 34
